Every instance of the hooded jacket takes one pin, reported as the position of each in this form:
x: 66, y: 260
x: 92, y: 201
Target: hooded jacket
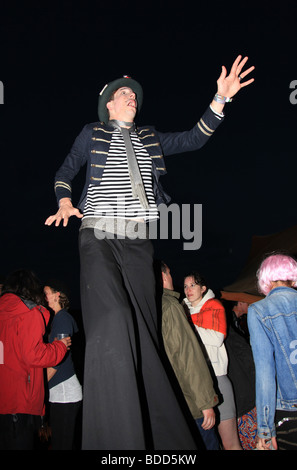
x: 210, y: 322
x: 24, y: 355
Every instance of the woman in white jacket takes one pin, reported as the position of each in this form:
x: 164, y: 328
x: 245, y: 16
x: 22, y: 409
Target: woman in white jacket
x: 208, y: 316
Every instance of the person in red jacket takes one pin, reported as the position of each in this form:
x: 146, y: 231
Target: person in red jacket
x: 23, y: 320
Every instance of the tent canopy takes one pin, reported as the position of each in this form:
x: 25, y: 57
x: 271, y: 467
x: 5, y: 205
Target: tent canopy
x: 245, y: 287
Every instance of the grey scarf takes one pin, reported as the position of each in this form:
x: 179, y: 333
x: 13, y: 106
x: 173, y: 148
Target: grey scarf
x: 138, y: 190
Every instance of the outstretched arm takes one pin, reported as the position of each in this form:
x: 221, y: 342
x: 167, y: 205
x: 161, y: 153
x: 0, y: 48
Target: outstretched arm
x: 74, y: 161
x: 229, y: 85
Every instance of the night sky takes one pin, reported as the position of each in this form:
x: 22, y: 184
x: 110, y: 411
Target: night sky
x: 54, y: 59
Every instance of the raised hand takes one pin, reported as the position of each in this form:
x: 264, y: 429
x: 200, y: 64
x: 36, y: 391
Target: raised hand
x: 229, y: 85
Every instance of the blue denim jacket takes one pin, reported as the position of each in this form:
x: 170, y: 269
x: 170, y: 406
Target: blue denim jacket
x: 272, y: 325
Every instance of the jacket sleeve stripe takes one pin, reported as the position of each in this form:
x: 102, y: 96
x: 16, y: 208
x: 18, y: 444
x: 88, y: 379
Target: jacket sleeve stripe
x: 206, y: 127
x: 202, y: 130
x: 62, y: 184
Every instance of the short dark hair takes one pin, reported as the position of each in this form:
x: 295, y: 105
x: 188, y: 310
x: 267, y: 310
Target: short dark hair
x: 25, y: 284
x: 63, y: 299
x: 163, y: 267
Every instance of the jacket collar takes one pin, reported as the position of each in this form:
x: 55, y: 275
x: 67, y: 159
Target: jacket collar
x: 171, y: 293
x: 281, y: 288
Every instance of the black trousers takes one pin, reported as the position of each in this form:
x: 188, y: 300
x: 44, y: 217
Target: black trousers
x: 128, y: 401
x: 18, y: 431
x: 63, y: 418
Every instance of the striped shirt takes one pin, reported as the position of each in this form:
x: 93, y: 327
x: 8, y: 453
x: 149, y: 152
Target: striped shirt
x: 113, y: 197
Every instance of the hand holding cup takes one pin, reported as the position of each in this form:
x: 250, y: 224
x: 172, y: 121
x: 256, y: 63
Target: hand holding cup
x: 65, y: 338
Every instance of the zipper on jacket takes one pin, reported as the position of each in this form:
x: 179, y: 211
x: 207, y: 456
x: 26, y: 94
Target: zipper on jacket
x: 29, y: 378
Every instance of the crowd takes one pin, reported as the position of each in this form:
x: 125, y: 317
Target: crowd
x: 40, y: 394
x: 232, y: 361
x: 197, y: 373
x: 120, y: 198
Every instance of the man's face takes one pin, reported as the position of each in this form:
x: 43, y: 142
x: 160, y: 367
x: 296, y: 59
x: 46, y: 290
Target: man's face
x: 242, y: 308
x: 123, y: 106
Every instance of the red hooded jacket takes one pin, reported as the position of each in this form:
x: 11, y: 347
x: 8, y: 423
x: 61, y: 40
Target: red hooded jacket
x: 23, y: 355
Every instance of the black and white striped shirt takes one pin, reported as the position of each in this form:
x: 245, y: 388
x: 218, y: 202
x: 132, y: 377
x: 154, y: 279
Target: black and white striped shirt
x: 113, y: 197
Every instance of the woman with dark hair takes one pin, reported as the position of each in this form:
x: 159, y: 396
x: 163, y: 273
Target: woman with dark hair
x: 65, y: 391
x: 272, y: 325
x: 24, y: 284
x: 208, y: 317
x: 23, y: 320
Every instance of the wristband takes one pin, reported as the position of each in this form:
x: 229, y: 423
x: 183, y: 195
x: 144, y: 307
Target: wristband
x: 222, y: 99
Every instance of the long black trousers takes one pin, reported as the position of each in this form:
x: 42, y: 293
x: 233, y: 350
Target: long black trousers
x: 129, y: 403
x: 63, y: 417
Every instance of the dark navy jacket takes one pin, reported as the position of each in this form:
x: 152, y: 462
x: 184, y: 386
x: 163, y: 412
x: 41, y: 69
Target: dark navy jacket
x: 92, y: 145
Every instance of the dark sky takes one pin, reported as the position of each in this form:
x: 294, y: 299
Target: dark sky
x: 54, y: 59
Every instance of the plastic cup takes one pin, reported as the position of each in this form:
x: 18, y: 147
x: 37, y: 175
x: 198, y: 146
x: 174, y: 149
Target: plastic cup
x: 62, y: 335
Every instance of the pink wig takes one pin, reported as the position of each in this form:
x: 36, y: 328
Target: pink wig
x: 276, y: 267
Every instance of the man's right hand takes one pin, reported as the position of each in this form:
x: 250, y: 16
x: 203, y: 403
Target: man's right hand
x: 65, y: 211
x: 66, y: 341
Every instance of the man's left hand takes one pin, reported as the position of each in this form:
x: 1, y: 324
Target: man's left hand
x: 229, y: 85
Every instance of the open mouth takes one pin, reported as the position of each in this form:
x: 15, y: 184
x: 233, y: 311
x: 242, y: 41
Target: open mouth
x: 132, y: 103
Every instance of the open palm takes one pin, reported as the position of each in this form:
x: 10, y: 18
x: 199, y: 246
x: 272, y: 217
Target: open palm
x: 229, y: 85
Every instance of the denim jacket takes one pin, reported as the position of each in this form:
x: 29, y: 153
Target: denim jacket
x: 272, y: 325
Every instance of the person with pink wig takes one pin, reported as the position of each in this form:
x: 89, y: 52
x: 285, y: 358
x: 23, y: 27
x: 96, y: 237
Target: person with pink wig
x: 272, y: 324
